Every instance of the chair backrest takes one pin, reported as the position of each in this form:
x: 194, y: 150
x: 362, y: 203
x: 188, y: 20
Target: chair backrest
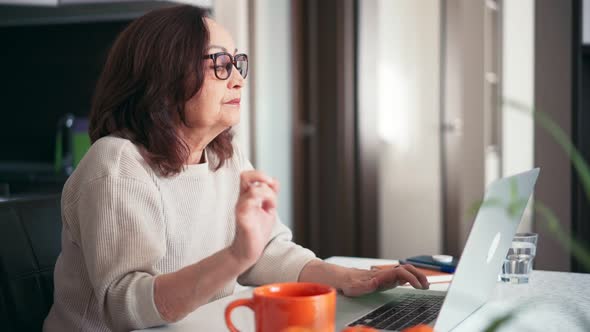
x: 30, y: 241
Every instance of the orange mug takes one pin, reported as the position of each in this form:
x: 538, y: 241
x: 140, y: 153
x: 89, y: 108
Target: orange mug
x: 291, y: 306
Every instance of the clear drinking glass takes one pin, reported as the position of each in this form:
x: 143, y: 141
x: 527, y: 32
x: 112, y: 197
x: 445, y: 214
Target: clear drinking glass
x: 518, y: 263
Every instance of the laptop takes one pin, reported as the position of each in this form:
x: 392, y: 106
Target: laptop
x: 475, y: 277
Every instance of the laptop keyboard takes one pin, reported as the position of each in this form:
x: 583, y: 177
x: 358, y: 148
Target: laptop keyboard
x: 405, y: 311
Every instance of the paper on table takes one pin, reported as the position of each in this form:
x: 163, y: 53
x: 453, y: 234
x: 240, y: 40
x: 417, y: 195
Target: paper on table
x: 358, y: 262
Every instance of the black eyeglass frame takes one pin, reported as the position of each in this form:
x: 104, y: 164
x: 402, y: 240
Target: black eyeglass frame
x: 233, y: 61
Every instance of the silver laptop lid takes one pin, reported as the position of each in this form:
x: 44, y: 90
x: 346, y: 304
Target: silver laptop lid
x: 490, y: 237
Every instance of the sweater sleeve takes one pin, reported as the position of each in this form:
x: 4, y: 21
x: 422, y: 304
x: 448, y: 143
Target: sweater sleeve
x: 121, y: 234
x: 282, y: 260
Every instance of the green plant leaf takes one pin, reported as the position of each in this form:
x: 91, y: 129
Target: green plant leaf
x: 515, y: 204
x: 562, y: 139
x: 513, y: 190
x: 552, y: 223
x: 499, y: 322
x: 582, y: 170
x: 490, y: 202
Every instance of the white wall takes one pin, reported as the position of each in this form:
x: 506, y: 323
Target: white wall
x: 269, y: 84
x: 404, y: 59
x: 271, y: 72
x: 518, y: 85
x: 233, y: 15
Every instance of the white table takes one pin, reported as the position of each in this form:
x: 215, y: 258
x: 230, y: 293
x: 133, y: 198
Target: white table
x: 550, y: 299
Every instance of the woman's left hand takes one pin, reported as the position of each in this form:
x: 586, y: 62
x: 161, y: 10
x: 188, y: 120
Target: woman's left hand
x: 359, y: 282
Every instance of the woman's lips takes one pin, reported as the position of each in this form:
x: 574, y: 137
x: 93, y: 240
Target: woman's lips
x: 234, y: 101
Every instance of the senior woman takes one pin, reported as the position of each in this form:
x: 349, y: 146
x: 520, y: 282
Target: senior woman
x: 165, y: 213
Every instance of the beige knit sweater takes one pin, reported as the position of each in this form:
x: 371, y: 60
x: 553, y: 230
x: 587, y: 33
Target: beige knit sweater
x: 123, y: 224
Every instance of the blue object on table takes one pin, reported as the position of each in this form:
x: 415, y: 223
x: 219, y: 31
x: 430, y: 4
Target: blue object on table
x: 427, y: 262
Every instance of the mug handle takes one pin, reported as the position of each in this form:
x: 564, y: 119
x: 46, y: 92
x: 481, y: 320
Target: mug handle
x: 241, y: 302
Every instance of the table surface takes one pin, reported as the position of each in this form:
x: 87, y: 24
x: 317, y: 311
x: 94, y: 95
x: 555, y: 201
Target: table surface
x: 551, y: 301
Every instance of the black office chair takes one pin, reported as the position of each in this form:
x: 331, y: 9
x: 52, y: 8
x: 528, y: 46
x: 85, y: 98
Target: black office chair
x: 30, y: 241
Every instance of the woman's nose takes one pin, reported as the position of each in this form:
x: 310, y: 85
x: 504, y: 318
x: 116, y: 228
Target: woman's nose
x: 236, y: 80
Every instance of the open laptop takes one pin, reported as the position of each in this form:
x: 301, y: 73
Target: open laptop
x: 475, y: 277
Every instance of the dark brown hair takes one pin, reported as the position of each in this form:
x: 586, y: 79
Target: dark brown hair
x: 153, y: 68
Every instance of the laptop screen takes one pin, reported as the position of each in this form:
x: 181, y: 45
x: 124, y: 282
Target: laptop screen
x: 490, y: 237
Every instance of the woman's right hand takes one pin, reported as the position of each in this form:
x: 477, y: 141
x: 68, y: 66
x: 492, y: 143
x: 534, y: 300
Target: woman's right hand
x: 255, y: 215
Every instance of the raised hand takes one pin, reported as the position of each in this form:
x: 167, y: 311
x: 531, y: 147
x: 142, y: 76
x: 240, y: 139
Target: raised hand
x: 255, y: 215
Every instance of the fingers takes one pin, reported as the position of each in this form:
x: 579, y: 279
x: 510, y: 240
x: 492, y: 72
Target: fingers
x: 400, y: 275
x: 261, y: 196
x: 251, y: 178
x: 405, y: 275
x: 258, y: 196
x: 367, y: 281
x: 421, y: 276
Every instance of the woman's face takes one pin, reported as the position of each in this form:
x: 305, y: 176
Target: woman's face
x: 216, y: 106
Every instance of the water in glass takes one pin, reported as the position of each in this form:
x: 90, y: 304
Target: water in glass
x: 518, y: 263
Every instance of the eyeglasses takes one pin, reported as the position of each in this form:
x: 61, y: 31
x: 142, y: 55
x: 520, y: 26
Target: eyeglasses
x: 223, y: 63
